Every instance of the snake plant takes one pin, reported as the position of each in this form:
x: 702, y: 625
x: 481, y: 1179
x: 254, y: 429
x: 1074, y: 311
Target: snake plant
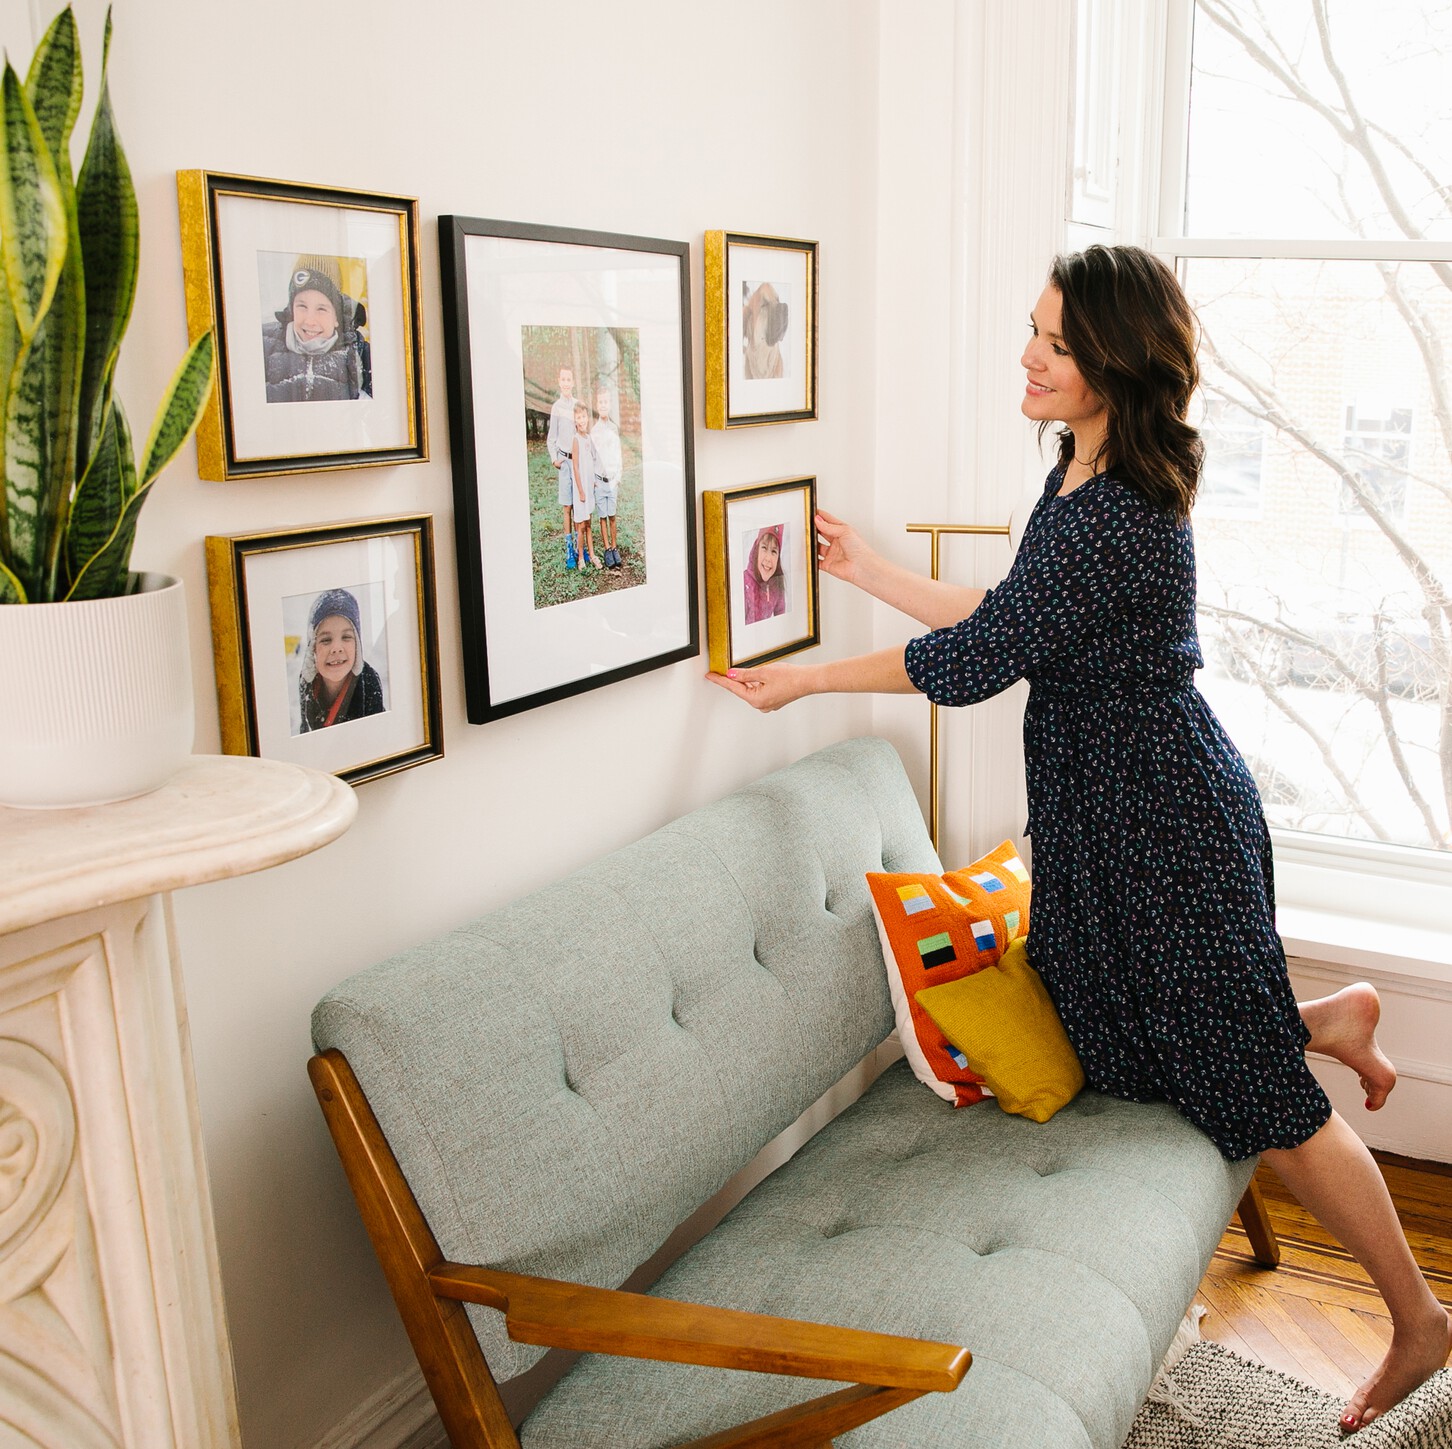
x: 68, y: 258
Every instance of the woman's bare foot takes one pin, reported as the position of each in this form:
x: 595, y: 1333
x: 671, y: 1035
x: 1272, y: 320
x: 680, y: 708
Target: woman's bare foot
x: 1414, y: 1356
x: 1343, y: 1026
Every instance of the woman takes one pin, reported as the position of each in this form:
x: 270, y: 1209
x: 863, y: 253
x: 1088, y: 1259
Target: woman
x: 1153, y: 923
x: 337, y: 684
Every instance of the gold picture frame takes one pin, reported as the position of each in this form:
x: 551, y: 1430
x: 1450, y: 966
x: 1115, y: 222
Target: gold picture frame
x: 270, y: 266
x: 761, y: 329
x: 291, y: 682
x: 757, y: 610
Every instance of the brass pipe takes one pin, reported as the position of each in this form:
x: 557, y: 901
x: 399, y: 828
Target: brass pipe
x: 936, y: 532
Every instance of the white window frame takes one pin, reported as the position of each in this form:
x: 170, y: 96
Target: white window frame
x: 1149, y: 207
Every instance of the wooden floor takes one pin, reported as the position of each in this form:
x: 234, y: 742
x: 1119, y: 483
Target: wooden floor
x: 1316, y: 1316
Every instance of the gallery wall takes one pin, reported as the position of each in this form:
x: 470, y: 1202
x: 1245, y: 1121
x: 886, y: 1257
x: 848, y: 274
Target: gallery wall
x: 834, y: 120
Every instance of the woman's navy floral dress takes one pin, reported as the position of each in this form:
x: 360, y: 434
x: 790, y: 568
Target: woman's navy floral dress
x: 1153, y: 920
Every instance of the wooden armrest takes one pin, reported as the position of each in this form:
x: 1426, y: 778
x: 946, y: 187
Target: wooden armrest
x: 554, y: 1314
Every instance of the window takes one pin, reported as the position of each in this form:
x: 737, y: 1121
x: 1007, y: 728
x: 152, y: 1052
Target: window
x: 1234, y: 452
x: 1378, y: 444
x: 1308, y: 216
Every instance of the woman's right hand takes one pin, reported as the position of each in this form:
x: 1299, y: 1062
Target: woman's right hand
x: 841, y: 551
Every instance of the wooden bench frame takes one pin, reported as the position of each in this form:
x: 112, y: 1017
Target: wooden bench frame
x: 885, y: 1370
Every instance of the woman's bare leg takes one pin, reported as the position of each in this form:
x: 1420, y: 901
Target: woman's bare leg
x: 1343, y: 1026
x: 1334, y: 1176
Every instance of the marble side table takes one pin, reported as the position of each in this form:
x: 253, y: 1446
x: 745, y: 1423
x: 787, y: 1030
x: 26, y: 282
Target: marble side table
x: 112, y: 1330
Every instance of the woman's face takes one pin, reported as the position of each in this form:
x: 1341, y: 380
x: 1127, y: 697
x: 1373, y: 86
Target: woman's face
x: 1056, y: 391
x: 313, y: 316
x: 335, y: 648
x: 768, y: 555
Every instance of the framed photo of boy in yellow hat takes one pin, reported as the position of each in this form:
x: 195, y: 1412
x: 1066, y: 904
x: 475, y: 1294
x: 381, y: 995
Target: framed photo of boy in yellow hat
x: 313, y: 293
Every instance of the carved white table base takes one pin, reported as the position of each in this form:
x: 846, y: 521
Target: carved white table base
x: 112, y: 1330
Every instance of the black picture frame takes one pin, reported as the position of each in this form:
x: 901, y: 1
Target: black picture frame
x: 523, y: 304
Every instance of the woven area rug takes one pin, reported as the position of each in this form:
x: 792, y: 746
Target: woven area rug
x: 1214, y: 1399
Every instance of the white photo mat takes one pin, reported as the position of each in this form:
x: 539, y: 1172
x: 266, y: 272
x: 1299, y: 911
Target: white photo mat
x: 249, y: 225
x: 789, y: 272
x: 512, y: 283
x: 745, y: 518
x: 384, y: 569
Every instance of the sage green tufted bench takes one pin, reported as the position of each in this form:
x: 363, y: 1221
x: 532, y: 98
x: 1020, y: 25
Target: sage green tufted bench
x: 538, y: 1099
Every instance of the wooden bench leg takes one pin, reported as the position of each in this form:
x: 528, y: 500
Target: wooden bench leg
x: 1254, y: 1218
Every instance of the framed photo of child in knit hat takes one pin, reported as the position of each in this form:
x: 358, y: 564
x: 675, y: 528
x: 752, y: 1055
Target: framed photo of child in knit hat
x: 316, y: 345
x: 761, y: 572
x: 761, y: 330
x: 326, y: 645
x: 314, y: 297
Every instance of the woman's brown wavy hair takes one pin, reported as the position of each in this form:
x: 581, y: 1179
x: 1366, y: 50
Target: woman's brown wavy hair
x: 1133, y: 336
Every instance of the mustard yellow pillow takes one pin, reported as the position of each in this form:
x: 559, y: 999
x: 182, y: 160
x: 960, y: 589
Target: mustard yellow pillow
x: 1003, y: 1022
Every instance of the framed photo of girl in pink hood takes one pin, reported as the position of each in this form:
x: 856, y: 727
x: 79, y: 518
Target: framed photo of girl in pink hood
x: 761, y: 572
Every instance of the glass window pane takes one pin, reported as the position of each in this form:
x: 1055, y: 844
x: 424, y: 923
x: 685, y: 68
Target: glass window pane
x: 1302, y: 131
x: 1324, y: 609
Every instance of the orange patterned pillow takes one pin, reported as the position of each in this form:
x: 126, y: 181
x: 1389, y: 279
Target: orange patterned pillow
x: 939, y: 928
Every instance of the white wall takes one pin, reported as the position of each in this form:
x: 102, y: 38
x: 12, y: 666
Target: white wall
x: 682, y: 118
x: 830, y: 119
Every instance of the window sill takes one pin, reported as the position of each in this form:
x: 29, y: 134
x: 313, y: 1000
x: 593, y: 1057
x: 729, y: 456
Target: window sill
x: 1377, y: 947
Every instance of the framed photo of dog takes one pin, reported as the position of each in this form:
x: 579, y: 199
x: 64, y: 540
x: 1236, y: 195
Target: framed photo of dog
x: 761, y: 330
x: 326, y: 645
x: 761, y: 572
x: 313, y: 293
x: 568, y: 356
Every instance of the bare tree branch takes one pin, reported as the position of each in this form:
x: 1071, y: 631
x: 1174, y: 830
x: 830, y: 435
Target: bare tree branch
x: 1429, y: 344
x: 1381, y: 698
x: 1276, y: 696
x: 1442, y: 190
x: 1274, y: 412
x: 1305, y: 69
x: 1346, y: 120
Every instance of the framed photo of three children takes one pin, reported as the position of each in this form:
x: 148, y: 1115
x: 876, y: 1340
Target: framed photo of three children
x: 568, y: 361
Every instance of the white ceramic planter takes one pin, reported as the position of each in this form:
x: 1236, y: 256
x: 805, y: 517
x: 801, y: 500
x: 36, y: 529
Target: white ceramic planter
x: 95, y: 697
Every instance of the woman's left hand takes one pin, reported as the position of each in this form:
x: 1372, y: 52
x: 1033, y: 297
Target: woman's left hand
x: 767, y: 688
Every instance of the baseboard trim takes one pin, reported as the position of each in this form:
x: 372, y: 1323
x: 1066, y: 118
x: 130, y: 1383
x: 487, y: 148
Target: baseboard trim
x: 401, y: 1415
